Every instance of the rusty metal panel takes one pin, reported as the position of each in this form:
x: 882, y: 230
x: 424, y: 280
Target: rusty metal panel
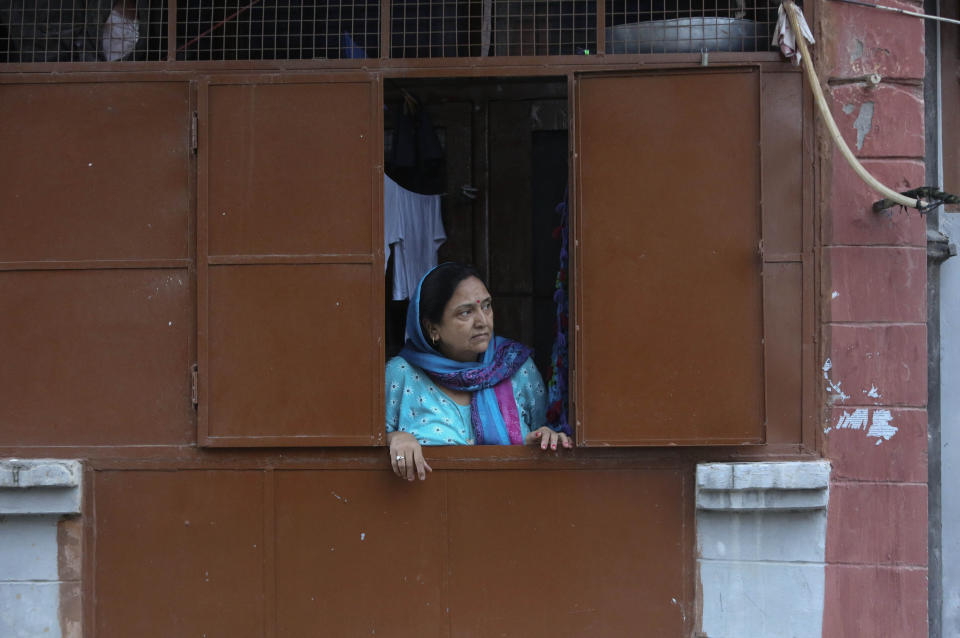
x: 290, y: 261
x: 784, y: 255
x: 348, y: 552
x: 668, y: 272
x: 289, y: 168
x: 783, y: 363
x: 94, y: 171
x: 782, y: 148
x: 95, y: 357
x: 290, y: 355
x: 179, y: 554
x: 568, y: 554
x: 359, y: 553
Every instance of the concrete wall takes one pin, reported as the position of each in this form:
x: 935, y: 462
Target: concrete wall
x: 761, y: 535
x: 40, y: 549
x: 874, y: 328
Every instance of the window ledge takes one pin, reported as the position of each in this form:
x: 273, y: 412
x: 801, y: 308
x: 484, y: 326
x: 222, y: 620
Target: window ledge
x: 792, y: 485
x: 39, y: 486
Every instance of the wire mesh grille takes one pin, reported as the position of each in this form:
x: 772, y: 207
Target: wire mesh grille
x: 659, y: 26
x: 525, y: 27
x: 122, y: 30
x: 277, y: 30
x: 78, y: 31
x: 435, y: 28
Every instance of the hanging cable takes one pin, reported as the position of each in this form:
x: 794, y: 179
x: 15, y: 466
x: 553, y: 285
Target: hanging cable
x: 901, y: 11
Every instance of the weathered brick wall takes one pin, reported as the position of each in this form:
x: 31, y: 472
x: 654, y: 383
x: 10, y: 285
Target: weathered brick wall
x: 874, y: 330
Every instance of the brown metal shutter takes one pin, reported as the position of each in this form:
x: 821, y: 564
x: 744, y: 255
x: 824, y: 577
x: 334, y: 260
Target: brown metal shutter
x: 668, y: 274
x: 95, y: 287
x: 290, y: 276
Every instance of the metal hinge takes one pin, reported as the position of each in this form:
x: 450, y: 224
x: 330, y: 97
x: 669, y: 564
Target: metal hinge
x: 193, y: 133
x: 194, y: 383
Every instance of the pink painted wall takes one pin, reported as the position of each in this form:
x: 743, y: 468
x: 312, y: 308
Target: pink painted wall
x: 873, y: 292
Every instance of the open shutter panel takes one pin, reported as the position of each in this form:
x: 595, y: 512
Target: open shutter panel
x: 668, y: 268
x: 290, y: 275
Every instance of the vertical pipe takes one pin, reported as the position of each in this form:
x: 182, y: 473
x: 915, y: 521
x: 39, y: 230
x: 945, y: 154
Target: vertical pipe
x: 937, y: 252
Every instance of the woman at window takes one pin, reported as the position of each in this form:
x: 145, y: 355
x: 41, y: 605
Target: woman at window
x: 454, y: 382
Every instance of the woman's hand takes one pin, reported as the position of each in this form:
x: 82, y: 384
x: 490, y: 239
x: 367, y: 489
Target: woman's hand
x: 406, y: 456
x: 548, y: 438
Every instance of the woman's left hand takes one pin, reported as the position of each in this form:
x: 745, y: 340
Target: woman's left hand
x: 548, y: 438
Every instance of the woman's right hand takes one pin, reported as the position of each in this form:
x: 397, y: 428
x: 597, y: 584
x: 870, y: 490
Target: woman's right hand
x: 406, y: 456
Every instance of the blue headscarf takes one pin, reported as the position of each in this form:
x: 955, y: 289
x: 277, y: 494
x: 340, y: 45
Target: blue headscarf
x: 493, y: 409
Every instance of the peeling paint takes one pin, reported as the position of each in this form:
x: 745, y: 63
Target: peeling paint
x: 873, y: 393
x: 857, y: 52
x: 683, y: 614
x: 863, y: 123
x: 849, y: 109
x: 856, y: 420
x: 835, y: 295
x: 833, y: 386
x: 880, y: 426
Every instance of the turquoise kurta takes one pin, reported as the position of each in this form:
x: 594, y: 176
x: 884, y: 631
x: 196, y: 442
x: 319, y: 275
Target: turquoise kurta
x: 416, y: 405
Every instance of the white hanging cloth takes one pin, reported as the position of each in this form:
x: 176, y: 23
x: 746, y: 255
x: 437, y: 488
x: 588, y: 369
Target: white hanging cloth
x: 786, y: 39
x: 413, y: 227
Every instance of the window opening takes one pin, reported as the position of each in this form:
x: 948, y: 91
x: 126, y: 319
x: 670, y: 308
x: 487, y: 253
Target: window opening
x: 504, y: 172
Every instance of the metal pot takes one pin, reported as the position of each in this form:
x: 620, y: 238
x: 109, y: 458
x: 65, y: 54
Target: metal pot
x: 686, y: 35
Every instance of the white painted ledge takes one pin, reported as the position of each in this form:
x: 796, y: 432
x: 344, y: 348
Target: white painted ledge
x: 790, y: 485
x: 40, y: 486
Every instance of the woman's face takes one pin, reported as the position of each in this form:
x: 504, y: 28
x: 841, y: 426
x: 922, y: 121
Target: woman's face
x: 467, y: 325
